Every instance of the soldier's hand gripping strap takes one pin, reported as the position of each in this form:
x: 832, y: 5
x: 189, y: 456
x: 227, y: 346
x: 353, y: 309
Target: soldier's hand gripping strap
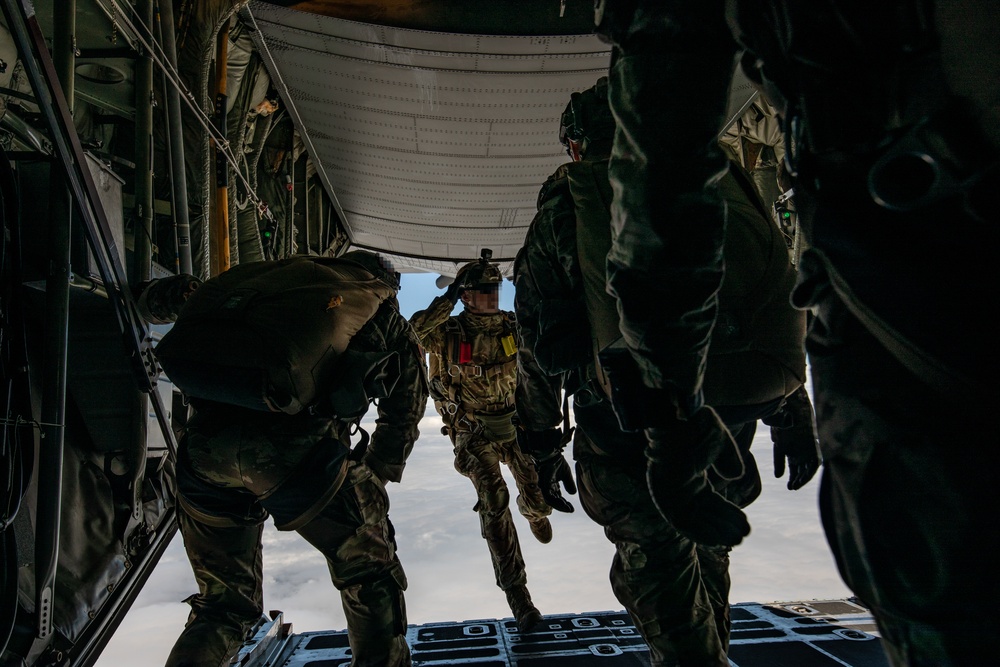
x: 679, y: 454
x: 794, y: 436
x: 361, y: 377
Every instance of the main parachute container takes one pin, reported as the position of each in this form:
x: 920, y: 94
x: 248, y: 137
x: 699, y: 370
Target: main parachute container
x: 267, y: 335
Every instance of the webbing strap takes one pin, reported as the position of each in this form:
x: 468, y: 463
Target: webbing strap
x: 922, y: 364
x: 453, y: 373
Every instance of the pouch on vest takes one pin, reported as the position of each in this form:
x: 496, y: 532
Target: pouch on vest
x: 498, y: 428
x: 267, y: 335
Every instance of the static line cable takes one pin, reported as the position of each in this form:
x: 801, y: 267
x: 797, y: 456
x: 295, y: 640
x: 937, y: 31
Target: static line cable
x: 158, y: 56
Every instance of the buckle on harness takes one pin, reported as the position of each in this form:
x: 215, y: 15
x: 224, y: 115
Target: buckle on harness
x: 455, y: 370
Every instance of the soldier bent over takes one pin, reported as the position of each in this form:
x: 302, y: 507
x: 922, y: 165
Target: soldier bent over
x: 237, y: 465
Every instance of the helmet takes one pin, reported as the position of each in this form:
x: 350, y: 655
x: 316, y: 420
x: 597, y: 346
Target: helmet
x: 587, y: 118
x: 481, y: 275
x: 375, y: 264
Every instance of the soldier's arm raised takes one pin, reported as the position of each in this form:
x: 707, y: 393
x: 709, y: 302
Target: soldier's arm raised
x: 425, y: 323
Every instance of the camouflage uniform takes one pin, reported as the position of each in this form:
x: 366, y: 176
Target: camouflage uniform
x: 476, y: 401
x: 236, y: 466
x: 903, y: 371
x: 676, y: 591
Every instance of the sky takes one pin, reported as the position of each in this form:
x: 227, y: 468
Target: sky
x: 447, y: 564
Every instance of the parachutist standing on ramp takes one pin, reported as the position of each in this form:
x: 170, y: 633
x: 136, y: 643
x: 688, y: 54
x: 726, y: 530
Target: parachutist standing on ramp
x: 670, y: 572
x: 280, y: 361
x: 473, y: 371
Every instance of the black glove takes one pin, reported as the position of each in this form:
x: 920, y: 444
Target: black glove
x: 552, y: 470
x: 794, y: 437
x: 454, y: 291
x: 545, y: 449
x: 799, y: 446
x: 679, y: 454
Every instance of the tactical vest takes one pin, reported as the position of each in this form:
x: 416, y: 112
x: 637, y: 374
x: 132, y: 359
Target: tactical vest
x: 757, y: 349
x: 475, y: 374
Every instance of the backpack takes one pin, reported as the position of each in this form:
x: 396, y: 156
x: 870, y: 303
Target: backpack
x: 268, y: 335
x: 756, y: 352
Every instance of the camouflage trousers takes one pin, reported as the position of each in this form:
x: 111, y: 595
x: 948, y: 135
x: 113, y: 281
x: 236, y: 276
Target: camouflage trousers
x: 676, y: 592
x: 908, y: 497
x: 355, y: 535
x: 479, y: 459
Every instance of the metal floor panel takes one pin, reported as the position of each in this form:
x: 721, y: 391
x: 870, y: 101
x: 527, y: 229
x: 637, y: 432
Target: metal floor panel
x: 818, y: 633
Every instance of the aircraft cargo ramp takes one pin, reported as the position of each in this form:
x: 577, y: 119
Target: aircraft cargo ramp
x: 817, y: 633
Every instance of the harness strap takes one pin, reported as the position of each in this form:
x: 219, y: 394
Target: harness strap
x: 931, y: 370
x: 456, y: 372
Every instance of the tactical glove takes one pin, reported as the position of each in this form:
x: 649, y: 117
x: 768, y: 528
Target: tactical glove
x: 798, y: 445
x: 552, y: 470
x: 679, y: 454
x: 545, y: 449
x: 454, y: 291
x: 794, y: 437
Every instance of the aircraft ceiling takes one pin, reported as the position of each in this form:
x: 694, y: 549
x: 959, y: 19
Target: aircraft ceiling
x: 432, y: 144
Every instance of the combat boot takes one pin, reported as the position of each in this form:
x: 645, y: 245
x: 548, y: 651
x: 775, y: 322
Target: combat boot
x: 542, y: 529
x: 525, y: 613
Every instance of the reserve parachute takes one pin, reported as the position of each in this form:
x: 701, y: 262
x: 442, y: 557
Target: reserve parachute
x: 268, y: 335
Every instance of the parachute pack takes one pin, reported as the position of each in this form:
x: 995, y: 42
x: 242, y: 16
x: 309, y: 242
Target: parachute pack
x: 268, y: 335
x: 756, y: 350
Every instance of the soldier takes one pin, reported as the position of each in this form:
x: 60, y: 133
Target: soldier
x: 473, y: 371
x: 237, y: 465
x: 676, y: 590
x: 755, y: 142
x: 894, y: 201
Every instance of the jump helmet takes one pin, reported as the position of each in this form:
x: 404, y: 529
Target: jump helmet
x: 378, y: 265
x: 481, y: 275
x: 587, y: 119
